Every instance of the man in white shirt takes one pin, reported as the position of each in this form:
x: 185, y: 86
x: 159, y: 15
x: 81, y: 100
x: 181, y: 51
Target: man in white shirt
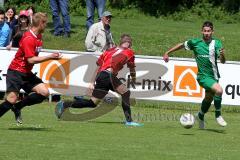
x: 99, y: 37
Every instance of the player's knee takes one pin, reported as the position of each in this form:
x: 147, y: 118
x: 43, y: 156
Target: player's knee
x: 219, y: 91
x: 12, y: 98
x: 44, y: 92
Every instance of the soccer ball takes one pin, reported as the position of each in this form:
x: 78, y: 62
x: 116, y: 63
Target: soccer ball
x: 187, y: 120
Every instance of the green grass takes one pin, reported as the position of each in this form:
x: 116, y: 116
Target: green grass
x: 151, y: 36
x: 43, y: 137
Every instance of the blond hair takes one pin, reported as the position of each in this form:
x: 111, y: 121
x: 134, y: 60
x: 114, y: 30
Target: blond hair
x: 38, y: 18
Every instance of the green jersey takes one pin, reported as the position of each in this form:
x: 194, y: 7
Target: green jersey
x: 206, y: 54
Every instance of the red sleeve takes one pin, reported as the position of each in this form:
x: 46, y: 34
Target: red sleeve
x: 29, y: 47
x: 100, y: 60
x: 131, y: 59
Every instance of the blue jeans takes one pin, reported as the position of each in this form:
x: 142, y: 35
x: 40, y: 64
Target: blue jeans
x: 91, y: 5
x: 58, y: 6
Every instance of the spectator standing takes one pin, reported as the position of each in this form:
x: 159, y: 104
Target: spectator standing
x: 57, y: 7
x: 91, y: 5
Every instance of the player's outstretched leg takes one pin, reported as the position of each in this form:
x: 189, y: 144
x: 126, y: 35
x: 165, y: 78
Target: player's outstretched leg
x: 4, y: 107
x: 80, y: 103
x: 11, y: 99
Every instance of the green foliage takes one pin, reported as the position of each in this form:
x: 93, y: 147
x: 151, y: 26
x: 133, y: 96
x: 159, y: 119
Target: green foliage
x: 202, y: 11
x: 119, y: 4
x: 178, y: 9
x: 39, y: 5
x: 152, y: 7
x: 77, y: 7
x: 17, y: 2
x: 232, y: 6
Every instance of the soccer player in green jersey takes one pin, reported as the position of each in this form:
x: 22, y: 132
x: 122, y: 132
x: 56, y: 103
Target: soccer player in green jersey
x: 206, y: 50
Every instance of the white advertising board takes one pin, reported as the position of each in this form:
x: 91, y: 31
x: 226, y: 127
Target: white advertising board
x: 156, y: 80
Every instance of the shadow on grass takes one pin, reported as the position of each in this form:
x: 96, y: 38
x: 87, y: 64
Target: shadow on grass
x: 215, y: 130
x: 29, y: 129
x: 188, y: 134
x: 106, y: 122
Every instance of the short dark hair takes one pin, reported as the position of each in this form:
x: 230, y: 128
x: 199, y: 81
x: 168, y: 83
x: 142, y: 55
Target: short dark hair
x: 208, y: 24
x: 125, y: 38
x: 2, y: 12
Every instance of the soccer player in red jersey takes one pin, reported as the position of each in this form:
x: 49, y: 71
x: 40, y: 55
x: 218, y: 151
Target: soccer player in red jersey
x: 19, y: 74
x: 109, y: 64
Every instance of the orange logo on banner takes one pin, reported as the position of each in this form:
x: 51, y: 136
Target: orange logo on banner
x: 55, y: 73
x: 185, y: 82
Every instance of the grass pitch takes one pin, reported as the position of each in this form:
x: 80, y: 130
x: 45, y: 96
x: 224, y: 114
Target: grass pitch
x: 43, y: 137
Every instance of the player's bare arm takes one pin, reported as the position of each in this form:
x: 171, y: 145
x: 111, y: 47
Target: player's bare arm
x: 222, y: 56
x: 133, y: 74
x: 173, y: 49
x: 36, y: 59
x: 91, y: 85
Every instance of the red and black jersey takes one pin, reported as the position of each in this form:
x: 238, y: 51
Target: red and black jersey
x: 116, y: 58
x: 29, y: 46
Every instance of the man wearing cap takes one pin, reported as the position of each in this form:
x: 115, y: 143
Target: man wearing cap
x: 99, y: 37
x: 109, y: 64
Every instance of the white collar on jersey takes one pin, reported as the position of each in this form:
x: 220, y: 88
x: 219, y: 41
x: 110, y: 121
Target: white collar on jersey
x: 33, y: 33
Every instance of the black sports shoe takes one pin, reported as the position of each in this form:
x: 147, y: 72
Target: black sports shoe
x: 18, y: 115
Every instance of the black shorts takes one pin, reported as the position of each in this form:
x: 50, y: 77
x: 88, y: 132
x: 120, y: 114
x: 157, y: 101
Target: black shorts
x: 105, y: 81
x: 17, y: 80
